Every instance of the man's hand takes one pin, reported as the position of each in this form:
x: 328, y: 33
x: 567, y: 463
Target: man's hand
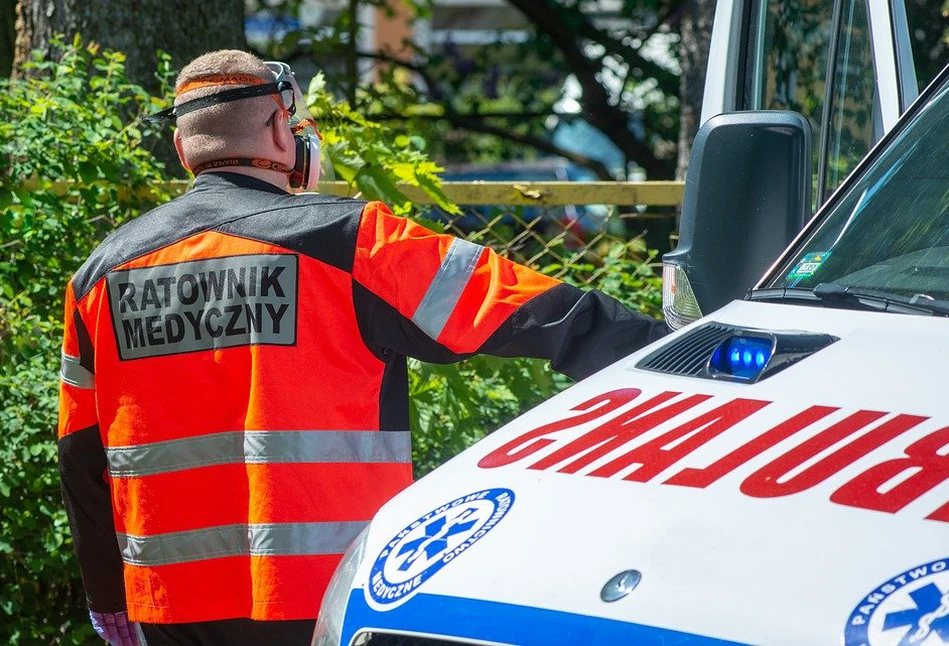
x: 115, y: 628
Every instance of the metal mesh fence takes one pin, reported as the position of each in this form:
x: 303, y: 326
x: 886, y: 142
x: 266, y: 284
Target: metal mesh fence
x: 558, y: 240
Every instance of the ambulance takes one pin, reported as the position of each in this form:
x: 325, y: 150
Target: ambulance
x: 775, y: 471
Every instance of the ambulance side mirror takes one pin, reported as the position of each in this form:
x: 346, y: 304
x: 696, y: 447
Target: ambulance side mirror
x: 747, y: 194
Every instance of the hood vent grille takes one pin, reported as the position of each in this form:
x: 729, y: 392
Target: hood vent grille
x: 689, y: 354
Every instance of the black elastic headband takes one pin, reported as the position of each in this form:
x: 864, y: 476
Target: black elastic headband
x: 217, y: 98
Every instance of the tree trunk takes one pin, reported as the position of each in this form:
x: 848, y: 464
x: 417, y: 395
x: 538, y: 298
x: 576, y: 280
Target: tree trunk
x: 696, y: 33
x: 138, y: 29
x: 7, y: 35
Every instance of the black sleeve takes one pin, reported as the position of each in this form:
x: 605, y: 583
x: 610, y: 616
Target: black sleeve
x: 579, y: 331
x: 82, y: 466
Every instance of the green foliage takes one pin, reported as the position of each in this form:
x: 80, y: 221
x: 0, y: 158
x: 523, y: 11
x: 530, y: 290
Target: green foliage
x: 41, y: 600
x: 67, y: 164
x: 625, y: 271
x: 370, y: 156
x: 70, y: 156
x: 454, y: 406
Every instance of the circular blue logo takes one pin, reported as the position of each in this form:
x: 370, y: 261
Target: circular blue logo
x: 430, y: 543
x: 911, y: 608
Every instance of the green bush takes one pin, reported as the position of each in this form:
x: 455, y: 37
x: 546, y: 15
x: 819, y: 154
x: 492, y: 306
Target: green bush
x: 69, y: 164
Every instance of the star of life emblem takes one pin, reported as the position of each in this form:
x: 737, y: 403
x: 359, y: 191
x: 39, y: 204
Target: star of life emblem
x: 911, y: 609
x: 429, y: 543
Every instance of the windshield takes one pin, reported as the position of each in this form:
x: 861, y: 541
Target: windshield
x: 890, y: 231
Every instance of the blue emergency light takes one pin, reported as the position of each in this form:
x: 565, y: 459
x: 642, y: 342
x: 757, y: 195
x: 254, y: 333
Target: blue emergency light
x: 742, y: 357
x: 731, y: 353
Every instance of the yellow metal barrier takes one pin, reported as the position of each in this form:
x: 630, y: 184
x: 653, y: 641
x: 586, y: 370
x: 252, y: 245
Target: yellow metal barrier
x: 473, y: 193
x: 543, y: 193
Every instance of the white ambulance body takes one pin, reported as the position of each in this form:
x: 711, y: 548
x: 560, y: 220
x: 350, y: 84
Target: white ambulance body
x: 776, y: 472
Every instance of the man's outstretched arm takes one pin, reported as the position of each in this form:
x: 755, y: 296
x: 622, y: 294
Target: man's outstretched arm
x: 442, y: 299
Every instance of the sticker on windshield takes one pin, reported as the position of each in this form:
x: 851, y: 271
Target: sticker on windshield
x: 808, y: 265
x: 911, y: 608
x: 431, y: 542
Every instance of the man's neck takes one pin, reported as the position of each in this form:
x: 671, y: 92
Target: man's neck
x: 270, y: 176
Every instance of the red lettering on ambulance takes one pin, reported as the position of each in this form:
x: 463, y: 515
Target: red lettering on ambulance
x: 618, y: 431
x: 702, y: 478
x: 659, y: 454
x: 922, y: 456
x: 533, y: 441
x: 764, y: 482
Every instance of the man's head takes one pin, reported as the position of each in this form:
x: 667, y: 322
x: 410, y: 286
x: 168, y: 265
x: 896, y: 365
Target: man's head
x: 254, y: 128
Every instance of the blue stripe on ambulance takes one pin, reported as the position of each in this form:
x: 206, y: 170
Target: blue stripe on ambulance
x: 509, y: 624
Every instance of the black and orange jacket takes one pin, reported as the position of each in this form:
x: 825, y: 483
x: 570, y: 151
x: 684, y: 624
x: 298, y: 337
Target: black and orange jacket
x: 233, y: 407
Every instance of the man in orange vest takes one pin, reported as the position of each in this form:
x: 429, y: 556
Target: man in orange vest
x: 233, y: 407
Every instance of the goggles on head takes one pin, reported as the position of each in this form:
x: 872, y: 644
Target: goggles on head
x: 306, y: 169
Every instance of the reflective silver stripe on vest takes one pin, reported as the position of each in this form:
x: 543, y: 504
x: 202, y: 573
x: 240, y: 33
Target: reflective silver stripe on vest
x: 72, y: 373
x: 259, y: 447
x: 264, y: 539
x: 443, y: 294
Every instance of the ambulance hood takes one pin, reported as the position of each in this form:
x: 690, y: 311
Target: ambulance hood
x: 639, y: 507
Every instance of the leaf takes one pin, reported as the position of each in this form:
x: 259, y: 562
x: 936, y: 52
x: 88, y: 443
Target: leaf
x: 317, y: 84
x: 111, y: 171
x: 432, y: 187
x: 24, y: 197
x: 376, y: 184
x: 88, y: 172
x: 345, y: 163
x: 434, y: 225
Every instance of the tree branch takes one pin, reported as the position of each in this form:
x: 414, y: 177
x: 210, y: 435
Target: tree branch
x: 476, y: 125
x: 604, y: 115
x: 668, y: 81
x: 674, y: 11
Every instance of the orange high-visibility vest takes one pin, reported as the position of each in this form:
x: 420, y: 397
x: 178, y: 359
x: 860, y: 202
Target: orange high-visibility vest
x: 234, y: 390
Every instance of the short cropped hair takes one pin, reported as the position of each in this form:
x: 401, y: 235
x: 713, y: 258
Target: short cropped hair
x: 228, y: 129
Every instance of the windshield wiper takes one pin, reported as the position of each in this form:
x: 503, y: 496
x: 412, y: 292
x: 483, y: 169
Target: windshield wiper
x: 832, y: 294
x: 880, y: 300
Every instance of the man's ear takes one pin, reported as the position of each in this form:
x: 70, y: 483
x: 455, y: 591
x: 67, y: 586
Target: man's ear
x: 282, y: 135
x: 179, y: 148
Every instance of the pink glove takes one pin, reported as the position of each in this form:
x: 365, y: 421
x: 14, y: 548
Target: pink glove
x: 115, y: 628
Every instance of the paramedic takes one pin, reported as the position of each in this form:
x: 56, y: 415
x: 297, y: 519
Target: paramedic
x: 234, y: 397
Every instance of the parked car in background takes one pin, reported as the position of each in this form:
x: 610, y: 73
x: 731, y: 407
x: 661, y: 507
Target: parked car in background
x: 581, y: 221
